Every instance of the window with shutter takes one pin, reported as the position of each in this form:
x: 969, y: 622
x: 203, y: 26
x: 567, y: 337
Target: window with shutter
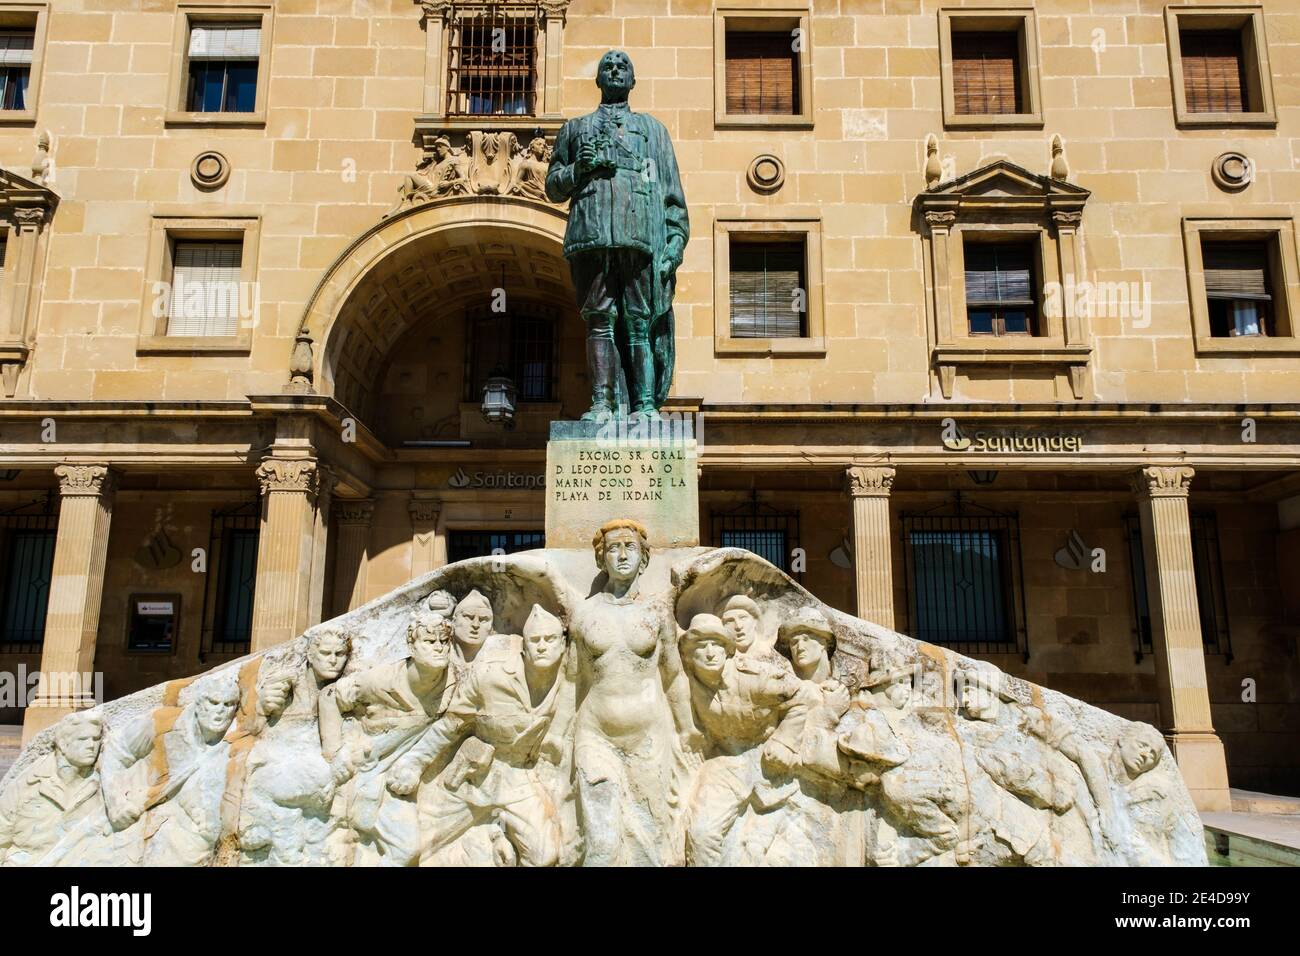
x: 762, y: 73
x: 1238, y: 288
x: 205, y: 291
x: 492, y: 61
x: 223, y: 63
x: 16, y: 49
x: 986, y: 73
x: 521, y: 345
x: 1000, y: 285
x: 1214, y: 71
x: 768, y: 289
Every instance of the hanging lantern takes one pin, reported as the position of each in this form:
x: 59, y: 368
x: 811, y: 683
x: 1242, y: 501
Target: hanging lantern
x: 499, y: 400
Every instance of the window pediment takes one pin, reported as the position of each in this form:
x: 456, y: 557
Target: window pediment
x: 1002, y: 186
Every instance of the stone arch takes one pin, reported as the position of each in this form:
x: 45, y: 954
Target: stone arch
x: 430, y: 257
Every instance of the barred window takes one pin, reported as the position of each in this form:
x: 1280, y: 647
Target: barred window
x: 492, y: 59
x: 1211, y: 600
x: 231, y: 579
x: 771, y: 534
x: 476, y: 544
x: 963, y: 579
x: 521, y: 345
x: 26, y: 566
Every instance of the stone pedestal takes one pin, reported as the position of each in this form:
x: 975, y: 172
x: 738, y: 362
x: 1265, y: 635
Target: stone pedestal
x: 597, y: 472
x: 76, y: 591
x: 1176, y: 634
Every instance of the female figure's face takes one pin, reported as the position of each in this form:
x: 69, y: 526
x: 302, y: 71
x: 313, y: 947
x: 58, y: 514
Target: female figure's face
x: 623, y: 555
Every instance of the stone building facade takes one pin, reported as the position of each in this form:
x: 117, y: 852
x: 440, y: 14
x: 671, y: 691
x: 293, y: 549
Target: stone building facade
x: 1034, y: 395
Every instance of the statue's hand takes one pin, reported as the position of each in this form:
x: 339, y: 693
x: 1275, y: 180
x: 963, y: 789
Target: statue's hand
x: 404, y: 776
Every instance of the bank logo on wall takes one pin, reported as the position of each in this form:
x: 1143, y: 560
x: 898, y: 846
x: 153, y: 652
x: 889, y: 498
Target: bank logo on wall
x: 496, y: 479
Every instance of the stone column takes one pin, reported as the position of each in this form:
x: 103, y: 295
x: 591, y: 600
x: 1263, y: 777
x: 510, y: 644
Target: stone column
x: 76, y: 589
x: 326, y: 480
x: 352, y: 555
x: 426, y: 550
x: 285, y: 550
x: 1176, y: 634
x: 872, y: 553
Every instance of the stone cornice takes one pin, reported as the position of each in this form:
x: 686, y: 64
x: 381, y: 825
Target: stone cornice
x: 85, y: 480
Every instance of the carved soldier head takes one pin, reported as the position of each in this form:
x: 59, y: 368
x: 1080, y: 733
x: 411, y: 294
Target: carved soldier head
x: 543, y: 638
x: 807, y: 639
x: 706, y: 645
x: 215, y: 708
x: 740, y: 614
x: 615, y: 77
x: 78, y: 737
x: 441, y: 148
x: 537, y: 147
x: 1140, y: 748
x: 428, y: 637
x: 622, y: 549
x: 473, y: 622
x: 327, y: 654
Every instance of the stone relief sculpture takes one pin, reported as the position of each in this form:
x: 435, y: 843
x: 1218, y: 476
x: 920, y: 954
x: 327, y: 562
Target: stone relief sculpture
x: 693, y: 706
x: 488, y: 164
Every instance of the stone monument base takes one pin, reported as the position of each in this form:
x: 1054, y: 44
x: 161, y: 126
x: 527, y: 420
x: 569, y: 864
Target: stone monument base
x: 600, y: 471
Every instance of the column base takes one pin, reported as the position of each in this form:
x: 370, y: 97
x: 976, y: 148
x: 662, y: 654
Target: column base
x: 1204, y: 768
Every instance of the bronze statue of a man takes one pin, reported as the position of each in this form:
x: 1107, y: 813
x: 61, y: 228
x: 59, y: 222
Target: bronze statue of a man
x: 626, y: 237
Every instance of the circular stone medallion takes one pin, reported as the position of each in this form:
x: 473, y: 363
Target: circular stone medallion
x: 210, y: 170
x: 766, y: 173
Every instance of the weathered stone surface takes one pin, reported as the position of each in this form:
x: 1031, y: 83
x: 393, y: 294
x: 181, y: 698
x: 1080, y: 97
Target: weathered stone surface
x: 664, y: 706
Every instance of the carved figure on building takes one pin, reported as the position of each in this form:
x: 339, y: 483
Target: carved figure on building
x: 443, y: 172
x: 529, y: 168
x: 530, y: 709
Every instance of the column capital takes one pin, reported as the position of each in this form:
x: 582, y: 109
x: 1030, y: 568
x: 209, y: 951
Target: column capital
x: 288, y: 474
x: 1163, y: 481
x: 85, y: 480
x: 354, y: 511
x: 424, y: 510
x: 875, y: 481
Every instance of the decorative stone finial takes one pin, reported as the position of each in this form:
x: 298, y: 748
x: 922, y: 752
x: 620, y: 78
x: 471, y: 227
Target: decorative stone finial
x: 1060, y: 168
x: 933, y: 168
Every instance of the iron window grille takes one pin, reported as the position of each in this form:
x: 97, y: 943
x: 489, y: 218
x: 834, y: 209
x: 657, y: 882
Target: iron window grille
x: 771, y: 534
x: 492, y: 59
x: 522, y: 345
x: 964, y: 578
x: 1211, y: 598
x: 27, y: 535
x: 231, y: 580
x: 477, y: 544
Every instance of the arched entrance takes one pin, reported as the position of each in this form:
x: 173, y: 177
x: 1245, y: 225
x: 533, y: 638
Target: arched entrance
x: 394, y: 315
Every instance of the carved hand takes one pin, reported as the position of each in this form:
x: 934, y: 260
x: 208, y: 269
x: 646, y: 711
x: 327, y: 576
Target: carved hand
x: 778, y: 759
x: 274, y: 697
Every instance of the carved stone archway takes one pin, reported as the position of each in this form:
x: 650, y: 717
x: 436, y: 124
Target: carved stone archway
x: 431, y: 257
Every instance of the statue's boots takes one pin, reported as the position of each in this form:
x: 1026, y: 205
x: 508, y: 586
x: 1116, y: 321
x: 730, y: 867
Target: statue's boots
x: 602, y: 365
x: 641, y: 378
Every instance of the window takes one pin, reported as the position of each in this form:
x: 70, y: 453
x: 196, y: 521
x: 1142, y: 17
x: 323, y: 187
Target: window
x: 1000, y: 298
x: 205, y: 293
x: 1242, y: 282
x: 27, y: 552
x: 1207, y: 567
x: 986, y: 73
x: 477, y: 544
x: 769, y: 290
x: 491, y: 64
x: 223, y: 68
x: 200, y: 292
x: 221, y: 65
x: 1237, y: 285
x: 1218, y: 59
x: 988, y: 68
x: 762, y: 73
x: 772, y: 535
x: 521, y: 345
x: 16, y: 50
x: 232, y: 579
x: 963, y: 579
x: 762, y: 65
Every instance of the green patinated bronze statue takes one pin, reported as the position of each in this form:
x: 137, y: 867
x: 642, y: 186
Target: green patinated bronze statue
x: 626, y: 237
